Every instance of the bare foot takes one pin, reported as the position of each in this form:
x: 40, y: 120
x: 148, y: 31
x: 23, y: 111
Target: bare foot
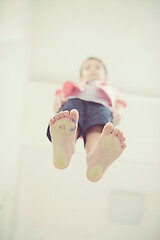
x: 108, y: 148
x: 63, y: 134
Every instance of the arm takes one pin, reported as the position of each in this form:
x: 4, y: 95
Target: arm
x: 117, y: 113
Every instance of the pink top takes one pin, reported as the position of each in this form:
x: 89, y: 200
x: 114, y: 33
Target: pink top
x: 94, y: 91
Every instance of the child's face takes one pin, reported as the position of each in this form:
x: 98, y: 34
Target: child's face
x: 93, y: 69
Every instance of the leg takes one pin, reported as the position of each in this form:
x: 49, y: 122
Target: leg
x: 63, y: 130
x: 92, y: 136
x: 103, y: 147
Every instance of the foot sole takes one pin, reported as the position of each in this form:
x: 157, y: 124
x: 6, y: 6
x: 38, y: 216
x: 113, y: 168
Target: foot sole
x: 62, y: 129
x: 110, y: 147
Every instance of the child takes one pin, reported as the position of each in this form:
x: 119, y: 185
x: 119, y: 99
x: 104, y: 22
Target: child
x: 87, y: 109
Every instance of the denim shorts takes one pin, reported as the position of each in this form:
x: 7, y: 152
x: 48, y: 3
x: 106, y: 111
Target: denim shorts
x: 90, y: 114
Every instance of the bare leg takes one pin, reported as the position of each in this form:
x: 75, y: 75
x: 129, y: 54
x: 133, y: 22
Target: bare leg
x: 103, y: 147
x: 63, y: 130
x: 92, y: 137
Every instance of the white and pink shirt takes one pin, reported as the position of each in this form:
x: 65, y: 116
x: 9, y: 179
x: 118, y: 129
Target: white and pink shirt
x: 94, y: 91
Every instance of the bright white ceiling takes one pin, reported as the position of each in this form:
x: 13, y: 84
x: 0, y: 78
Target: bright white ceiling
x: 124, y: 34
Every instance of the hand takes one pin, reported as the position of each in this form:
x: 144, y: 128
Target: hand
x: 116, y: 116
x: 59, y: 100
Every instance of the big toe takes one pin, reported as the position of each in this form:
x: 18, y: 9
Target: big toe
x: 108, y: 128
x: 74, y: 115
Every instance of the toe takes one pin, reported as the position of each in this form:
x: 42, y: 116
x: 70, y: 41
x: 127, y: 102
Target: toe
x: 66, y: 113
x: 120, y: 135
x: 61, y: 114
x: 52, y: 121
x: 108, y: 128
x: 122, y: 139
x: 74, y: 115
x: 124, y: 145
x: 57, y: 116
x: 116, y: 132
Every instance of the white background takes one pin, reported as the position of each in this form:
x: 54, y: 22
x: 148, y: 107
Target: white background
x: 43, y: 44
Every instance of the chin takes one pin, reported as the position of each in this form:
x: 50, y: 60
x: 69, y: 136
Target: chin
x: 92, y: 78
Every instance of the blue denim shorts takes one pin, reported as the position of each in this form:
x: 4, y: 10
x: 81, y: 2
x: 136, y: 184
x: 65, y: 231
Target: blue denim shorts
x: 90, y: 114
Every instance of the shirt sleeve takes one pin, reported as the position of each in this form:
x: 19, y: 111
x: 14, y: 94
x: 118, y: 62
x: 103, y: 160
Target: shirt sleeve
x: 68, y: 88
